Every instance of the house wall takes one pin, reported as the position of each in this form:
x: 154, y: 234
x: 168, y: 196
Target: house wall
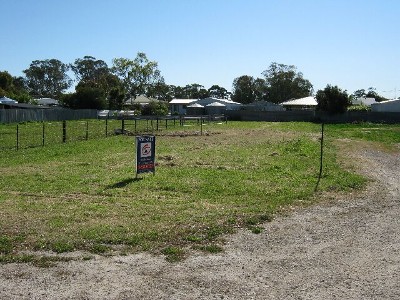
x: 387, y: 106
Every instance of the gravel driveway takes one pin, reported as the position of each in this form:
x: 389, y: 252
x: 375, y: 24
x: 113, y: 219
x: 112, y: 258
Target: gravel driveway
x: 347, y: 247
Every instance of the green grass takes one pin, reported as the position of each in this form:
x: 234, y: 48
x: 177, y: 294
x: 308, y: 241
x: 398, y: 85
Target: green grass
x: 84, y: 195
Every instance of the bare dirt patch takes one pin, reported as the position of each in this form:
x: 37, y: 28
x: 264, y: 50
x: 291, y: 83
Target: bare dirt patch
x: 346, y: 248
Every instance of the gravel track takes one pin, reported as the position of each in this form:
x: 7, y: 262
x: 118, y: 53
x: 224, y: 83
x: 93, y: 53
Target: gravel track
x: 347, y: 247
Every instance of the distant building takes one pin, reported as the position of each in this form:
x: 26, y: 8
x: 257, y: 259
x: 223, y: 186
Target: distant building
x: 5, y: 101
x: 386, y: 106
x: 179, y: 106
x: 141, y: 100
x: 363, y: 101
x: 263, y: 106
x: 306, y: 103
x: 47, y: 102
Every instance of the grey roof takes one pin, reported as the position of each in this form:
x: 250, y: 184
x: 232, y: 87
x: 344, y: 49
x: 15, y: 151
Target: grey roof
x: 47, y: 101
x: 196, y: 105
x: 216, y: 104
x: 6, y: 100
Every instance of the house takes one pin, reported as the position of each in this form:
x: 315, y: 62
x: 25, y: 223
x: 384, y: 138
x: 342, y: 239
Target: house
x: 141, y: 100
x: 229, y: 104
x: 264, y: 106
x: 363, y: 101
x: 178, y: 106
x: 306, y: 103
x: 47, y: 102
x: 6, y: 101
x: 386, y: 106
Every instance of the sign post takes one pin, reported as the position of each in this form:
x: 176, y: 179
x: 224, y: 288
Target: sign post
x: 145, y: 154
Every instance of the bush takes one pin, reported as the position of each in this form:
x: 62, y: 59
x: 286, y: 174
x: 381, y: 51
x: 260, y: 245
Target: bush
x: 332, y: 100
x: 155, y: 109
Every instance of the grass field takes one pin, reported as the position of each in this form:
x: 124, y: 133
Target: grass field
x: 84, y: 195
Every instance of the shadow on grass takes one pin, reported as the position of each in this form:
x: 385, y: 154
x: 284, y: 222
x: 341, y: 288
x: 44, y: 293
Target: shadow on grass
x: 122, y: 183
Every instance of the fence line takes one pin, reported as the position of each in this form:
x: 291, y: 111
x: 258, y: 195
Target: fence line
x: 39, y: 134
x: 38, y: 115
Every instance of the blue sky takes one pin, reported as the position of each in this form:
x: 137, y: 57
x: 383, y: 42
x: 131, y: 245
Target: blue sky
x: 353, y: 44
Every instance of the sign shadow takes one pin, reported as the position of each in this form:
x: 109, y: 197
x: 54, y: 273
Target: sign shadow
x: 122, y: 183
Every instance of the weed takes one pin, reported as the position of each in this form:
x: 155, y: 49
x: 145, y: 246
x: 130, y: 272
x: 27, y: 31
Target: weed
x: 173, y: 254
x: 62, y: 246
x: 6, y: 245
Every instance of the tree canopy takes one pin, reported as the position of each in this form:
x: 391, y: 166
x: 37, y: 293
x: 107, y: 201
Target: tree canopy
x: 332, y: 100
x: 47, y: 78
x: 247, y: 89
x: 138, y: 76
x: 370, y: 93
x: 283, y: 83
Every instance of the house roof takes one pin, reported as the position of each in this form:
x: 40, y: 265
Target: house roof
x: 216, y: 104
x: 24, y: 105
x: 6, y: 100
x: 182, y: 101
x: 141, y: 99
x: 196, y: 105
x: 47, y: 101
x: 306, y: 101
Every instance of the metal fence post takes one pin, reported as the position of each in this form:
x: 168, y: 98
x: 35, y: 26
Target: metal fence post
x: 106, y: 125
x: 43, y: 137
x: 17, y: 137
x: 87, y: 130
x: 64, y: 131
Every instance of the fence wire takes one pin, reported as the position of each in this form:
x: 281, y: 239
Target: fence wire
x: 39, y: 134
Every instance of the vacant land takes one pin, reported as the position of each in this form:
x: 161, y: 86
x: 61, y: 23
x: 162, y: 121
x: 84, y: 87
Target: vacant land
x: 333, y: 242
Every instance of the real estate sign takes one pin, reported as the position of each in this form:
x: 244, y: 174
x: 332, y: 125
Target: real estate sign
x: 145, y: 154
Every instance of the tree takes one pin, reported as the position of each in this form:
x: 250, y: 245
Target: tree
x: 47, y: 78
x: 116, y: 99
x: 85, y: 98
x: 89, y: 69
x: 138, y: 76
x: 155, y: 108
x: 13, y: 87
x: 332, y: 100
x: 5, y: 81
x: 160, y: 91
x: 195, y: 91
x: 246, y: 89
x: 284, y: 82
x: 218, y: 92
x: 373, y: 94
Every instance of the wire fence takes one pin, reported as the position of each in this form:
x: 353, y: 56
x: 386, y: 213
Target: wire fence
x: 39, y: 134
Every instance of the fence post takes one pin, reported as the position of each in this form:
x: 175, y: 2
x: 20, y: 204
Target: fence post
x: 135, y: 124
x: 43, y: 134
x: 123, y: 125
x: 106, y: 126
x: 64, y: 131
x: 157, y: 124
x: 17, y: 137
x: 321, y: 157
x: 201, y: 125
x: 87, y: 130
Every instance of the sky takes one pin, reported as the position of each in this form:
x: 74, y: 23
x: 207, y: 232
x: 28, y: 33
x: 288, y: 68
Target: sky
x: 354, y: 44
